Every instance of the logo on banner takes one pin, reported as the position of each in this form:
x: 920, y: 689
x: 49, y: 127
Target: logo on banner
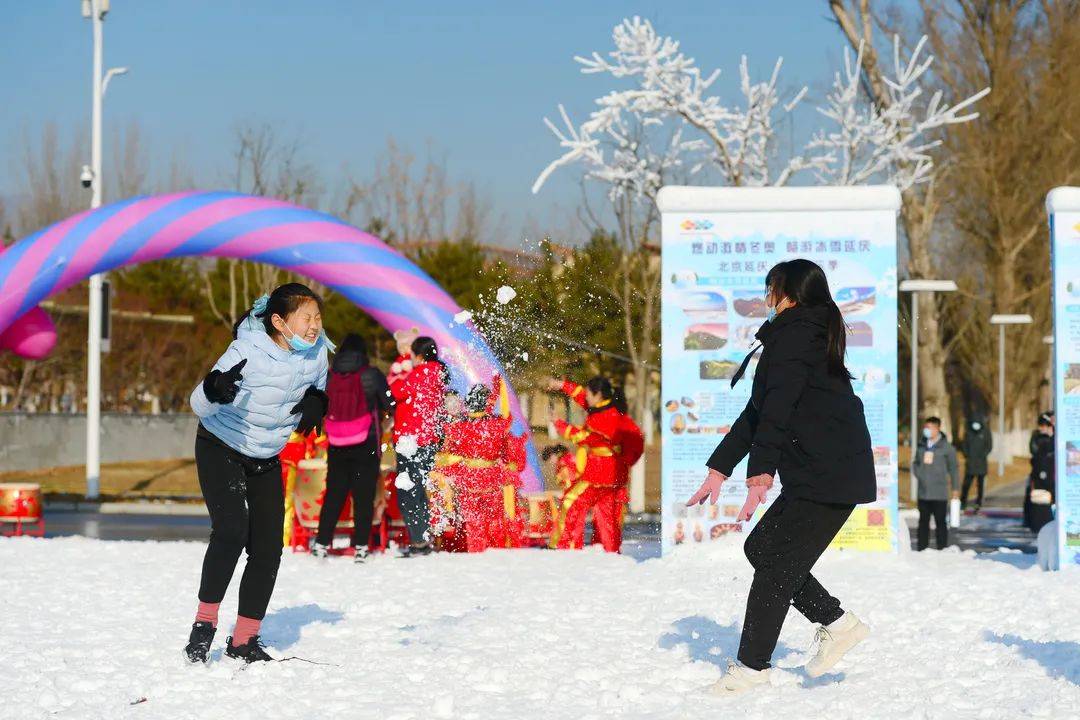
x: 691, y: 225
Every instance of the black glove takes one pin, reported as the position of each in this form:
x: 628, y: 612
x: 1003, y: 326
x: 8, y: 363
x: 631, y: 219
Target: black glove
x: 221, y: 387
x: 312, y: 408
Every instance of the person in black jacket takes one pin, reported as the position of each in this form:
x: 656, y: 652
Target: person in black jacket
x: 1041, y: 490
x: 805, y: 423
x: 359, y: 400
x: 976, y: 446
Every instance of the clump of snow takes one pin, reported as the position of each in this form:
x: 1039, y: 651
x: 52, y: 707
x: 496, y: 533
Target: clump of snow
x: 525, y: 356
x: 463, y: 317
x: 505, y: 294
x: 404, y: 482
x: 406, y: 446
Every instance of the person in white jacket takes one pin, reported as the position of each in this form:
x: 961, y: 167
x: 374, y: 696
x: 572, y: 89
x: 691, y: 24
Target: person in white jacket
x: 269, y: 382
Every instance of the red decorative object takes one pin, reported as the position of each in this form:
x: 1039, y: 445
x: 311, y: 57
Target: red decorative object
x: 20, y: 505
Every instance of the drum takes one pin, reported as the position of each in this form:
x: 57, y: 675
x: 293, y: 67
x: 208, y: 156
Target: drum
x: 308, y: 492
x: 543, y: 512
x: 20, y: 502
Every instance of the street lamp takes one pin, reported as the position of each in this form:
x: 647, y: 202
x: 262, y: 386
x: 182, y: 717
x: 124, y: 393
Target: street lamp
x: 1001, y: 321
x: 95, y: 11
x: 915, y: 287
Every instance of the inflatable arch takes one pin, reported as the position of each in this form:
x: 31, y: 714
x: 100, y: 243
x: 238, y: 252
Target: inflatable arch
x: 374, y: 276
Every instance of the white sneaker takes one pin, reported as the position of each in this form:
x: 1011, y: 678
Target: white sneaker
x: 360, y: 555
x: 739, y: 679
x: 319, y: 551
x: 834, y: 641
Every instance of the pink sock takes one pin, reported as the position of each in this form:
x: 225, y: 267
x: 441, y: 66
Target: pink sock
x: 207, y: 613
x: 245, y: 628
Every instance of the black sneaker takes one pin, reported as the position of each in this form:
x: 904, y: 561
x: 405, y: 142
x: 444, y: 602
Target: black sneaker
x: 198, y: 647
x: 416, y: 550
x: 249, y: 652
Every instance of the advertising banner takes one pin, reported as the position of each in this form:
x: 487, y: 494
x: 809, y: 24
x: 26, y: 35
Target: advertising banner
x: 718, y: 244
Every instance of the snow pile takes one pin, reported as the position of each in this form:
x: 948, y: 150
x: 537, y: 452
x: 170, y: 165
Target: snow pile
x: 94, y: 627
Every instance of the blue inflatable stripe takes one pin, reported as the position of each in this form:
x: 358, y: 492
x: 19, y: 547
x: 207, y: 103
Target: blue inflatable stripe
x: 204, y: 242
x: 53, y: 266
x: 137, y: 236
x: 10, y: 257
x: 340, y: 252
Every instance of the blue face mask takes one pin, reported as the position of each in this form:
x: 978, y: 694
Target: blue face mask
x: 299, y: 344
x: 926, y: 433
x: 770, y: 314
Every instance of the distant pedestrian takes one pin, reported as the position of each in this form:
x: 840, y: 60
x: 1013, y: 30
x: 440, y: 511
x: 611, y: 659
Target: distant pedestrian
x: 976, y: 446
x: 936, y: 470
x: 1041, y: 481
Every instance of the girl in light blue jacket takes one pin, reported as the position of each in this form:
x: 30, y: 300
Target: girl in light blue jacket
x: 269, y: 382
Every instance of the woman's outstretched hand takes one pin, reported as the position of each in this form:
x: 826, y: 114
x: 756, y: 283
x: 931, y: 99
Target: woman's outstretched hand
x: 763, y: 479
x: 754, y: 497
x: 709, y: 489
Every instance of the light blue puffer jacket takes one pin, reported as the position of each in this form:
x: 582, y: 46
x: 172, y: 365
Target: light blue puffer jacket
x: 258, y: 422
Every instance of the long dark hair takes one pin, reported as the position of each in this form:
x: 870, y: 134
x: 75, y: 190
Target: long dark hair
x: 603, y: 387
x: 283, y: 301
x: 804, y: 282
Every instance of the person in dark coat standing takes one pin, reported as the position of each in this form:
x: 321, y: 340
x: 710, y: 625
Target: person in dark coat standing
x: 804, y: 422
x: 1041, y: 490
x: 359, y: 400
x: 976, y: 446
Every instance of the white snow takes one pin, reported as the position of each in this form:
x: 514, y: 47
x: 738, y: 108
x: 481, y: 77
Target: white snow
x: 406, y: 446
x: 403, y: 481
x: 505, y: 294
x: 93, y: 626
x: 463, y: 317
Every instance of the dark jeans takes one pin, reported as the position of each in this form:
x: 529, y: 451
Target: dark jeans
x: 247, y: 512
x: 938, y: 509
x: 980, y: 481
x: 414, y: 502
x: 783, y: 547
x: 350, y: 469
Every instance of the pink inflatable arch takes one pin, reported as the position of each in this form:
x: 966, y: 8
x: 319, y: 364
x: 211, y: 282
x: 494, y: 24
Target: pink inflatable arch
x: 373, y: 275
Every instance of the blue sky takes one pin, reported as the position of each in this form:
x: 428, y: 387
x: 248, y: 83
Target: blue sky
x: 473, y: 78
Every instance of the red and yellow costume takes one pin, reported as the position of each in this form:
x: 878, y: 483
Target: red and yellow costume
x: 298, y: 448
x: 481, y: 459
x: 603, y: 467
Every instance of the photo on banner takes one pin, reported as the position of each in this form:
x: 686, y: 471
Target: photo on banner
x: 718, y: 244
x: 1063, y: 206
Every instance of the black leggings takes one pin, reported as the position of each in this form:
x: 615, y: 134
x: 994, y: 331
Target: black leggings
x: 355, y: 469
x: 247, y: 511
x: 783, y: 547
x: 413, y: 502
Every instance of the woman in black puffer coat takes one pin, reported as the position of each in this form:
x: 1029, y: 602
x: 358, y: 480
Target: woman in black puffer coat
x: 805, y: 423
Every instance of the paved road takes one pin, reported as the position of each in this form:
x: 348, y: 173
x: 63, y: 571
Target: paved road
x: 982, y: 533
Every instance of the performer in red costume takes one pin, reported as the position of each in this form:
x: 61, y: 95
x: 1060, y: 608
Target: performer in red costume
x: 480, y: 457
x: 608, y: 444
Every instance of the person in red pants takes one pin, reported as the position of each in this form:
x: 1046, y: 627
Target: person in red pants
x: 603, y: 468
x: 480, y: 457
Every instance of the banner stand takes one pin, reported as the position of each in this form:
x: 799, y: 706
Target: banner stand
x: 717, y: 246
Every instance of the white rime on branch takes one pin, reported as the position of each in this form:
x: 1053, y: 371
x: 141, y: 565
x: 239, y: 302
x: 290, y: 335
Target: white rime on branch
x: 623, y: 143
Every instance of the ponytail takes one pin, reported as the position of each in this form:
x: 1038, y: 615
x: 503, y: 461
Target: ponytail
x: 837, y: 343
x: 618, y: 400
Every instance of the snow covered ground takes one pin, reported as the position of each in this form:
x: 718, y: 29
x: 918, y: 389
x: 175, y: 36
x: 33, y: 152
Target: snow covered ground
x: 94, y: 629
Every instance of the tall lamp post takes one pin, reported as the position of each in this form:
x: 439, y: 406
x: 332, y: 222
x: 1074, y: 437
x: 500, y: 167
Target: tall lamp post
x: 95, y: 11
x: 1001, y: 321
x: 915, y: 287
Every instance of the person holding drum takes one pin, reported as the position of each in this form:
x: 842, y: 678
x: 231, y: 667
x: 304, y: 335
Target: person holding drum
x: 269, y: 382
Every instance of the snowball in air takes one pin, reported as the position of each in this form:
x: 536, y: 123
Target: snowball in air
x: 463, y: 317
x: 505, y: 294
x: 404, y: 482
x: 406, y: 445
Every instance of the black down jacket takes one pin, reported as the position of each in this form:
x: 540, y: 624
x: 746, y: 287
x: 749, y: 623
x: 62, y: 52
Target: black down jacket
x: 801, y: 422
